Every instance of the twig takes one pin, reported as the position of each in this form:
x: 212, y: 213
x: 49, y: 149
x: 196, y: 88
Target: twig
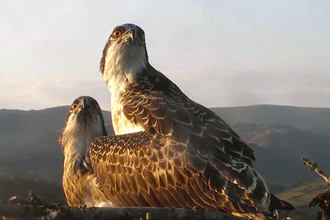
x: 20, y: 208
x: 319, y: 199
x: 323, y: 201
x: 313, y: 166
x: 75, y: 213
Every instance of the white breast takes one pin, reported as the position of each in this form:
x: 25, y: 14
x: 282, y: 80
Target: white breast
x: 121, y: 68
x: 120, y: 123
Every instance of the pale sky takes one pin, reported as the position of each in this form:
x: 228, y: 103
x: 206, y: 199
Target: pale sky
x: 220, y: 53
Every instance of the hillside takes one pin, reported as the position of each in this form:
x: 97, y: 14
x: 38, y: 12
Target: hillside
x: 29, y: 140
x: 275, y: 114
x: 19, y: 128
x: 300, y: 196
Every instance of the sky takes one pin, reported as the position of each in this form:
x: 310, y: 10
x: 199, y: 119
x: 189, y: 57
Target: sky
x: 220, y: 53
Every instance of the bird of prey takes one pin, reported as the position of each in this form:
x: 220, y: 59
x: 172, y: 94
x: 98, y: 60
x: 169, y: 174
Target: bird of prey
x: 169, y: 150
x: 83, y: 124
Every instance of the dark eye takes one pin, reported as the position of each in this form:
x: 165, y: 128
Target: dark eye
x: 116, y: 33
x: 74, y: 106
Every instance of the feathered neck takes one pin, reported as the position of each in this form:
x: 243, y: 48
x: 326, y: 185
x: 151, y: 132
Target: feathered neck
x: 122, y: 65
x: 75, y: 144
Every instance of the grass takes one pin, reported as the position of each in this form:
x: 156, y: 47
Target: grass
x: 302, y: 195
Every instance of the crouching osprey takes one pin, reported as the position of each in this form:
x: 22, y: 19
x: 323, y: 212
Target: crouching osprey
x: 169, y: 150
x: 84, y: 123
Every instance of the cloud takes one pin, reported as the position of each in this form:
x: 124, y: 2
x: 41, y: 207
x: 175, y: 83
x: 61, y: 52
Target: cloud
x: 220, y: 54
x: 237, y: 87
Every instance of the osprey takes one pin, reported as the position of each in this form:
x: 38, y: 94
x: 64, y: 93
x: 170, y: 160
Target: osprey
x: 169, y: 150
x: 83, y: 124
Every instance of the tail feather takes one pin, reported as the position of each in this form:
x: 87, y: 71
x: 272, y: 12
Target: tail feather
x: 276, y: 203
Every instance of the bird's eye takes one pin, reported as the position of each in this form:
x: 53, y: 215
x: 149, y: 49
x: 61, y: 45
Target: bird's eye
x: 116, y: 33
x: 74, y: 106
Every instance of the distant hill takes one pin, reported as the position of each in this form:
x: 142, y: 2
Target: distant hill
x: 279, y: 135
x: 19, y: 127
x: 300, y: 196
x: 286, y: 146
x: 323, y: 129
x: 275, y: 114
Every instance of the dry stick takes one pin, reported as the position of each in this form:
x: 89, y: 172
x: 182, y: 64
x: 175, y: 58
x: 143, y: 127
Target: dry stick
x: 35, y: 207
x: 321, y: 199
x: 313, y: 166
x: 75, y: 213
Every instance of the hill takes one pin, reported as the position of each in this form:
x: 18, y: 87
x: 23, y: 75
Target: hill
x: 274, y: 114
x: 301, y: 195
x: 19, y: 128
x: 29, y: 140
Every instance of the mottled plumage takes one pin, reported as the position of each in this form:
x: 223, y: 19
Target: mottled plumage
x: 83, y: 124
x: 169, y: 150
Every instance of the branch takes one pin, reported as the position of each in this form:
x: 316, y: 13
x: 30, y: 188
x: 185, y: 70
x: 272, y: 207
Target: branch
x: 320, y: 199
x: 35, y: 207
x: 313, y: 166
x: 323, y: 201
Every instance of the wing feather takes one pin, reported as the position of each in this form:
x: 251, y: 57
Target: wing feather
x: 184, y: 195
x: 172, y: 198
x: 167, y: 111
x: 140, y: 169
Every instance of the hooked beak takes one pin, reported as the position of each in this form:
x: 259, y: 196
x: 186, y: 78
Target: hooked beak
x: 85, y: 114
x: 129, y: 38
x: 85, y: 103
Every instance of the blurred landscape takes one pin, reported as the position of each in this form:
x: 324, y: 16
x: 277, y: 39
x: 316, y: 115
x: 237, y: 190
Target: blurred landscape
x: 31, y: 157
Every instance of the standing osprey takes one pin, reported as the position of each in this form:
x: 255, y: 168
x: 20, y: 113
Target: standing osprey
x: 169, y: 150
x: 83, y: 124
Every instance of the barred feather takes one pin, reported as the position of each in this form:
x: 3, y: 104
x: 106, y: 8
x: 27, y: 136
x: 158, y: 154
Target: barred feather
x: 169, y: 150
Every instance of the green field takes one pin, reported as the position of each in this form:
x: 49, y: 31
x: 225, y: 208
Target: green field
x: 301, y: 196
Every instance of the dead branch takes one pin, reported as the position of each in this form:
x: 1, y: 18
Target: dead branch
x: 35, y: 207
x: 323, y: 201
x: 314, y: 167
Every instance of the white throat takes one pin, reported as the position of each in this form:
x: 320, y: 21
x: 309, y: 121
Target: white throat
x: 76, y: 142
x: 122, y: 66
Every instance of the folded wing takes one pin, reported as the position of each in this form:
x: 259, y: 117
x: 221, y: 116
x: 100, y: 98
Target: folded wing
x: 140, y: 169
x: 159, y: 106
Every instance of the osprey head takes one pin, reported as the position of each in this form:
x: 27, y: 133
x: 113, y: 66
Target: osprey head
x: 84, y: 117
x: 85, y: 111
x: 124, y: 53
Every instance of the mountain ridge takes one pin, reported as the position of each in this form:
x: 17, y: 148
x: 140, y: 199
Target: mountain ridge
x: 31, y: 136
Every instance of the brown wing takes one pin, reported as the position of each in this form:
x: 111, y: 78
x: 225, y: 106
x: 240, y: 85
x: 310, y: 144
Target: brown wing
x: 159, y: 106
x: 143, y: 170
